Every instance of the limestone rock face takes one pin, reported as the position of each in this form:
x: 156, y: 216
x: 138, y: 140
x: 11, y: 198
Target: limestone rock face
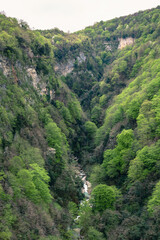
x: 65, y: 68
x: 33, y: 74
x: 43, y: 90
x: 4, y: 66
x: 52, y: 94
x: 39, y: 85
x: 81, y: 58
x: 51, y: 153
x: 30, y: 53
x: 108, y: 46
x: 123, y: 42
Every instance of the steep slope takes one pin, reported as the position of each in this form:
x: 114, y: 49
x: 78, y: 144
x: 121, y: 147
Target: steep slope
x: 129, y: 136
x: 92, y: 97
x: 125, y: 55
x: 41, y: 121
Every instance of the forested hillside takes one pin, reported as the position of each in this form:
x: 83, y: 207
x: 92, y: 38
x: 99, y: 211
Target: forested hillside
x: 89, y: 100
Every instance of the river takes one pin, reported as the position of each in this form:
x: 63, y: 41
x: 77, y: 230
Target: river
x: 86, y: 190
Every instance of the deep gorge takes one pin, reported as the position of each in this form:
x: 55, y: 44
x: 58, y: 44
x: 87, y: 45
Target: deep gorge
x: 79, y: 106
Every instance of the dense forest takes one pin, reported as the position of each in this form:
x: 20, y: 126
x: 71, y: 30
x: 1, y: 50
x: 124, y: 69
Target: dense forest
x: 88, y: 100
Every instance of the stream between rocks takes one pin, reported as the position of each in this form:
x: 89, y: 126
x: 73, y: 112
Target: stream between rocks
x: 86, y: 190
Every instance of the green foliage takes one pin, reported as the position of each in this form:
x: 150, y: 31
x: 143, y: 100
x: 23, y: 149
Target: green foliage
x: 50, y: 238
x: 73, y: 209
x: 103, y: 100
x: 116, y: 160
x: 36, y: 127
x: 16, y: 164
x: 25, y: 181
x: 67, y: 186
x: 103, y: 197
x: 148, y: 120
x: 56, y: 139
x: 65, y: 112
x: 122, y: 66
x: 26, y: 155
x: 136, y: 68
x: 7, y: 41
x: 133, y: 108
x: 97, y: 175
x: 154, y: 202
x: 75, y: 109
x: 91, y: 129
x: 85, y: 213
x: 105, y: 56
x: 146, y: 162
x: 41, y: 179
x: 32, y: 183
x: 94, y: 234
x: 32, y: 155
x: 125, y: 139
x: 95, y: 114
x: 7, y: 218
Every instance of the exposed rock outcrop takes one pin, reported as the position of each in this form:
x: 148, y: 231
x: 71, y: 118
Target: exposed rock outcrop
x: 81, y: 57
x: 5, y: 67
x: 30, y: 53
x: 39, y: 85
x: 8, y: 69
x: 51, y: 151
x: 33, y: 74
x: 65, y: 68
x: 52, y: 94
x: 108, y: 46
x: 123, y: 42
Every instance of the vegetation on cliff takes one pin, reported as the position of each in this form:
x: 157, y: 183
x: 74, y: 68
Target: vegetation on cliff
x: 80, y: 96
